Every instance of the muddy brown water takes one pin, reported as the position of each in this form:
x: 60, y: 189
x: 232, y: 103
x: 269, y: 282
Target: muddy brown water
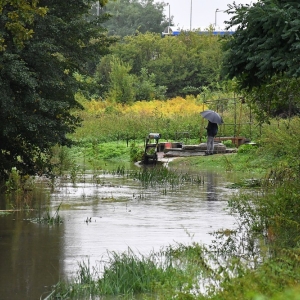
x: 114, y: 214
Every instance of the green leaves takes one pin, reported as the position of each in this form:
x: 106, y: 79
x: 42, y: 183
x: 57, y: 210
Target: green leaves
x: 19, y: 17
x: 264, y: 56
x: 265, y: 42
x: 37, y: 85
x: 131, y: 16
x: 182, y: 64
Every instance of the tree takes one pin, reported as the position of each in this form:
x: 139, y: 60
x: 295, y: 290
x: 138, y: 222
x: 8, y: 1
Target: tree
x: 146, y: 88
x: 37, y: 85
x: 184, y: 64
x: 121, y: 83
x: 265, y: 43
x: 19, y: 17
x: 264, y: 55
x: 131, y: 16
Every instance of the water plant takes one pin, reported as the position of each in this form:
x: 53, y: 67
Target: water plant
x: 169, y: 273
x: 74, y: 173
x: 164, y: 177
x: 49, y: 219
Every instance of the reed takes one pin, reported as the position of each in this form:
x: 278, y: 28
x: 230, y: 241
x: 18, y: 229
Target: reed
x: 49, y: 219
x: 166, y: 274
x: 164, y: 177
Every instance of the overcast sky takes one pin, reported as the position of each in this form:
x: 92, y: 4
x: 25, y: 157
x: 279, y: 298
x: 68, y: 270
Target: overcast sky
x: 203, y: 12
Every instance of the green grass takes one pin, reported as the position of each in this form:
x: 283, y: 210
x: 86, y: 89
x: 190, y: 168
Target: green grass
x: 165, y: 177
x: 162, y: 275
x: 253, y: 161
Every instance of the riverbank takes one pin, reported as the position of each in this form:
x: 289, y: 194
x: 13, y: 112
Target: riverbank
x: 246, y: 160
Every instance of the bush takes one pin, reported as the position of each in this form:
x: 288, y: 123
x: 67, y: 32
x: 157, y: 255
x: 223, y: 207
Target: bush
x: 136, y: 152
x: 229, y: 144
x: 246, y: 149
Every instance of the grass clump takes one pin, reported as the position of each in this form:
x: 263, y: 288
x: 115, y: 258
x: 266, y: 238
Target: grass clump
x: 164, y: 177
x: 167, y: 273
x: 49, y: 219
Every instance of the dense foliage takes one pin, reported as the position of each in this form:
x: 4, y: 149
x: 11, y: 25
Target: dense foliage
x: 265, y: 42
x: 264, y: 56
x: 37, y: 86
x: 16, y: 26
x: 132, y: 16
x: 155, y: 66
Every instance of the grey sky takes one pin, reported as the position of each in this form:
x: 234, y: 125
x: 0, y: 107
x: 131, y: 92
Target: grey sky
x: 203, y: 12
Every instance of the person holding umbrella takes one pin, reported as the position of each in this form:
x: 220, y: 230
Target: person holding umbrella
x: 212, y: 128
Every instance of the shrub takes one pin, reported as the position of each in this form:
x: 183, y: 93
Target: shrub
x: 136, y: 152
x: 229, y: 144
x: 246, y: 149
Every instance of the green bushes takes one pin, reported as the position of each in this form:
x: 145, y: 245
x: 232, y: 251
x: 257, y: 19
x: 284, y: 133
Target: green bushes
x: 165, y: 274
x: 136, y: 152
x: 246, y: 149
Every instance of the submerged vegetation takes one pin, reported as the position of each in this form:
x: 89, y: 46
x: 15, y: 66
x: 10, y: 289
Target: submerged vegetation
x: 49, y: 219
x: 162, y: 176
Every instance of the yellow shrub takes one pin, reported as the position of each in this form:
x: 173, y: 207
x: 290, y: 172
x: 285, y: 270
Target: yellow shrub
x: 168, y: 108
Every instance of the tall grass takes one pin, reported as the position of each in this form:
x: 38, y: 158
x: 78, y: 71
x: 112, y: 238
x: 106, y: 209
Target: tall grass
x: 164, y: 177
x: 49, y: 219
x: 171, y: 272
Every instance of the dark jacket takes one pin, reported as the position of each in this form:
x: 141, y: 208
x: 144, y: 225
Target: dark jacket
x: 212, y: 129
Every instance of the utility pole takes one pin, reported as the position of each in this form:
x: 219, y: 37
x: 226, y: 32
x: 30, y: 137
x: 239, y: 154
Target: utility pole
x: 169, y: 14
x: 217, y: 10
x: 191, y: 13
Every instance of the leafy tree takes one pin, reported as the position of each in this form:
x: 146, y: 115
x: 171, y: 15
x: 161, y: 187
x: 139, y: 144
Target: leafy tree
x: 146, y: 88
x: 18, y: 21
x: 121, y: 83
x: 265, y: 43
x: 130, y: 16
x: 184, y: 64
x: 36, y: 80
x: 279, y: 97
x: 265, y: 50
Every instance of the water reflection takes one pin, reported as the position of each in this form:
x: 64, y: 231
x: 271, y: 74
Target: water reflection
x: 111, y: 216
x: 211, y: 187
x: 30, y: 257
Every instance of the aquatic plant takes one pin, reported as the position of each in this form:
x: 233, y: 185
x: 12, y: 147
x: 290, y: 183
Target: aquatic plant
x: 170, y: 273
x: 74, y: 173
x: 55, y: 219
x: 160, y: 176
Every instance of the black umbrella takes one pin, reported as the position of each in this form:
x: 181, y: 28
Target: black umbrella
x: 212, y: 116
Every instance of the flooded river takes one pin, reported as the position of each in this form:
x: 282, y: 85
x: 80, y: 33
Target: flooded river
x: 112, y: 213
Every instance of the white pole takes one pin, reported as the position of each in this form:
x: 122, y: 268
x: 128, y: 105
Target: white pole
x: 169, y: 15
x: 216, y: 17
x: 98, y: 8
x: 191, y: 13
